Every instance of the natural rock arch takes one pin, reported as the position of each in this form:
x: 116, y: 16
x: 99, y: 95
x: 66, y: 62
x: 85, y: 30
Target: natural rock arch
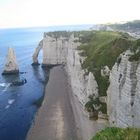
x: 36, y: 53
x: 54, y: 50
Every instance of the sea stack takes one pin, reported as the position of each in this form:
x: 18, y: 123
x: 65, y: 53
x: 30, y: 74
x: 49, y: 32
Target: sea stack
x: 11, y: 66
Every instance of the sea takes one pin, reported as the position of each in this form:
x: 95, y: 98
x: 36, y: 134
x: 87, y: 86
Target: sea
x: 17, y: 108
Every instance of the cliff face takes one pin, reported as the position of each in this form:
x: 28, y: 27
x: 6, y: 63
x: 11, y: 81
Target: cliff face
x: 82, y: 84
x: 11, y: 66
x: 35, y: 55
x: 63, y: 50
x: 54, y: 50
x: 124, y: 93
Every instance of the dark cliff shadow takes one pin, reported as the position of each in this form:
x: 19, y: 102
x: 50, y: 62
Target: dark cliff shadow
x: 42, y: 76
x: 14, y: 80
x: 10, y: 78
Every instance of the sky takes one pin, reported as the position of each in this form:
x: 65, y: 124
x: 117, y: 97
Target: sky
x: 32, y: 13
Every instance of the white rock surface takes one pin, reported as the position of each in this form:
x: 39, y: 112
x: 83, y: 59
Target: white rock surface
x: 123, y: 94
x: 105, y: 71
x: 54, y: 50
x: 82, y: 84
x: 37, y: 50
x: 11, y: 66
x: 64, y: 51
x: 92, y: 90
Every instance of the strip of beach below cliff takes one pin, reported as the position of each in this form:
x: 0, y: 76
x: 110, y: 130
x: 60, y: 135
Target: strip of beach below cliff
x: 61, y: 116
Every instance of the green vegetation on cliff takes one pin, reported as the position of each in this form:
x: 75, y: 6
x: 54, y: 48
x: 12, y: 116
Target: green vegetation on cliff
x: 136, y: 49
x: 102, y: 48
x: 114, y: 133
x: 135, y: 57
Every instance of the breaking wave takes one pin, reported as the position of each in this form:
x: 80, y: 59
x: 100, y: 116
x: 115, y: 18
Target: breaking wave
x: 6, y: 86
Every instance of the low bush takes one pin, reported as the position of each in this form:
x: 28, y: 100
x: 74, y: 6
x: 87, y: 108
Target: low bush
x: 114, y: 133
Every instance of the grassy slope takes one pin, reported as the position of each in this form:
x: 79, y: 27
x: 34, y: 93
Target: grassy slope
x: 102, y: 48
x: 118, y: 134
x: 136, y: 50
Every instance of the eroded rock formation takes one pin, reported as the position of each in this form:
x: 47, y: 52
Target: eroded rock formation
x: 11, y: 66
x: 124, y: 93
x: 105, y: 71
x: 35, y: 55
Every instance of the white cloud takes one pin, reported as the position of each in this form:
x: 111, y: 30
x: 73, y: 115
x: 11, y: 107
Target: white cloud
x: 17, y: 13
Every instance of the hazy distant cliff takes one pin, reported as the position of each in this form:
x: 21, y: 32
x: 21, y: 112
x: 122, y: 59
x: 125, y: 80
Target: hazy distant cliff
x: 103, y: 71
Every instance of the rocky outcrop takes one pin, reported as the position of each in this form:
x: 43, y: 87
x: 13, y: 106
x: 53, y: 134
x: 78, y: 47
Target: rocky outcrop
x: 105, y: 71
x: 35, y: 55
x: 124, y: 93
x: 11, y: 66
x: 92, y: 87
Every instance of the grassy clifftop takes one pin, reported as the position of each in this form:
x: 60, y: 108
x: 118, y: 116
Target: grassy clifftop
x: 118, y: 134
x: 102, y: 48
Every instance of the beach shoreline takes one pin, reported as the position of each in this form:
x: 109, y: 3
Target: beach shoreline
x: 54, y: 119
x: 66, y: 118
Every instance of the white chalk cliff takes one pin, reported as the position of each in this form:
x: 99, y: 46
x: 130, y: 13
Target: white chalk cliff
x: 63, y: 50
x: 11, y: 66
x: 54, y: 50
x: 82, y: 84
x: 123, y: 94
x: 36, y: 53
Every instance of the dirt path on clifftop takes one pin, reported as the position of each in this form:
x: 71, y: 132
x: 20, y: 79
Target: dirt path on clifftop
x: 55, y: 118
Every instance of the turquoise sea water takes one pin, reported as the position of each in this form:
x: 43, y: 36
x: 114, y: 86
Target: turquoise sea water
x: 16, y: 102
